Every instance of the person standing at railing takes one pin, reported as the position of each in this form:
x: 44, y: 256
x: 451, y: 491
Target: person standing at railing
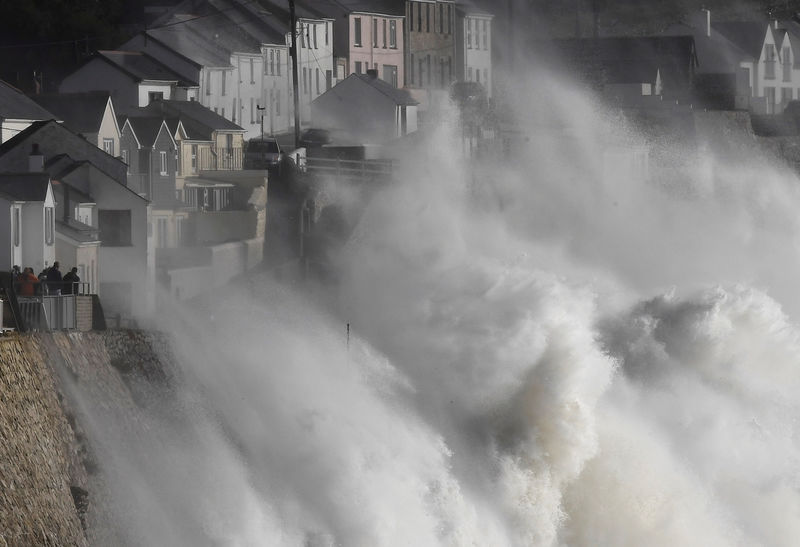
x: 27, y: 282
x: 71, y: 281
x: 54, y: 280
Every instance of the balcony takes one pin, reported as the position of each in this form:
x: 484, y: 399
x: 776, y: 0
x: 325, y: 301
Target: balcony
x: 221, y: 159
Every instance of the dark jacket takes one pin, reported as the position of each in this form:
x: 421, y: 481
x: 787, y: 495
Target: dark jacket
x: 53, y: 278
x: 70, y: 283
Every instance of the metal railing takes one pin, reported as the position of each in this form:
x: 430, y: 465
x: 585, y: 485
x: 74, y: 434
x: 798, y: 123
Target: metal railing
x: 54, y: 288
x: 350, y: 169
x: 46, y: 312
x: 221, y: 159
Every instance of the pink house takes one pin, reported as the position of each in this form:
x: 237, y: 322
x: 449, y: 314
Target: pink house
x: 372, y: 39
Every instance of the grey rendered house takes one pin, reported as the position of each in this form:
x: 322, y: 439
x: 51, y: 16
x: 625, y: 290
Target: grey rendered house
x: 18, y: 111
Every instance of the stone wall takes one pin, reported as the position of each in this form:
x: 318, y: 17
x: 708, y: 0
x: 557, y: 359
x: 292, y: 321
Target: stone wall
x: 52, y: 490
x: 83, y: 312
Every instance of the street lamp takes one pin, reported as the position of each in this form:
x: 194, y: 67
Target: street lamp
x: 261, y: 109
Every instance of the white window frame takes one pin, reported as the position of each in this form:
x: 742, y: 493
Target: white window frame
x: 163, y: 155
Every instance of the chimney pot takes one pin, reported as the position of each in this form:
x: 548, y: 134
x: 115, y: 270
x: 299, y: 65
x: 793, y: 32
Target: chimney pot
x: 372, y: 73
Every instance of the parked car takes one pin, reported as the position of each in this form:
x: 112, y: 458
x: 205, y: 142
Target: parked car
x: 262, y: 153
x: 311, y: 138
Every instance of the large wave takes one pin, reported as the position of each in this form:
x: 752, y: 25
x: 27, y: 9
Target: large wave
x: 551, y: 349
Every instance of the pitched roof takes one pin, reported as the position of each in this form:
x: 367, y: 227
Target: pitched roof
x: 747, y: 35
x: 54, y: 140
x: 141, y: 66
x: 15, y: 105
x: 81, y: 112
x: 24, y: 186
x: 399, y: 96
x: 146, y: 128
x: 334, y: 8
x: 198, y: 121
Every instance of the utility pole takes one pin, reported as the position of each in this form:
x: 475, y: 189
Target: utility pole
x: 296, y: 90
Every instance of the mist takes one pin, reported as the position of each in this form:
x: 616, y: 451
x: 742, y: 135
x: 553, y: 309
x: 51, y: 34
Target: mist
x: 543, y: 350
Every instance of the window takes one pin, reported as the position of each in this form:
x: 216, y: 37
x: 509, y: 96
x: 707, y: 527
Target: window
x: 108, y: 146
x: 233, y: 111
x: 278, y: 60
x: 115, y: 227
x: 179, y: 230
x: 161, y: 232
x: 302, y: 33
x: 16, y: 227
x: 305, y: 80
x: 428, y: 75
x: 278, y: 102
x: 223, y: 112
x: 449, y: 28
x: 327, y: 39
x: 786, y: 60
x: 357, y: 31
x: 317, y: 77
x: 49, y: 225
x: 390, y: 74
x: 469, y: 74
x: 427, y: 17
x: 478, y: 76
x: 486, y: 35
x: 384, y: 34
x: 769, y: 61
x: 252, y: 110
x: 441, y: 18
x: 271, y: 62
x: 411, y: 65
x: 393, y: 34
x: 410, y: 16
x: 194, y: 158
x: 374, y: 32
x: 154, y: 96
x: 252, y: 74
x: 468, y: 22
x: 486, y: 77
x: 358, y: 67
x: 328, y: 79
x: 419, y: 17
x: 315, y: 36
x: 223, y: 83
x: 163, y: 156
x: 125, y: 160
x: 208, y: 83
x: 420, y: 73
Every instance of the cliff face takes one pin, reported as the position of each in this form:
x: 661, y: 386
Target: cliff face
x: 51, y: 485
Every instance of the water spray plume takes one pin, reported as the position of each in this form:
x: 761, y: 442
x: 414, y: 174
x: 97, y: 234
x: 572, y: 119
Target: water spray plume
x: 567, y: 347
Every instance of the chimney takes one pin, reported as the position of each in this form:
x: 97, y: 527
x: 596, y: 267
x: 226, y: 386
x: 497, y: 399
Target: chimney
x: 372, y: 73
x: 35, y: 160
x: 708, y: 21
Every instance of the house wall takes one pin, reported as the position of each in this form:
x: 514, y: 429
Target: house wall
x: 248, y: 92
x: 428, y: 45
x: 136, y: 178
x: 99, y: 75
x: 109, y: 130
x: 370, y: 55
x: 315, y: 59
x: 163, y: 184
x: 7, y: 254
x: 126, y: 273
x: 474, y: 50
x: 211, y: 89
x: 145, y: 88
x: 84, y: 257
x: 10, y: 128
x: 36, y: 253
x: 366, y: 113
x: 276, y: 93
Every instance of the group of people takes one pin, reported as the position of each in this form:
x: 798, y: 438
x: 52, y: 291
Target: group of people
x: 49, y: 281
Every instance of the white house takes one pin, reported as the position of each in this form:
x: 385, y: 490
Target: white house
x: 96, y: 183
x: 27, y: 221
x: 474, y: 46
x: 133, y: 78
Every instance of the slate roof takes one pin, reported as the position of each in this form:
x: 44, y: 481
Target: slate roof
x: 399, y: 96
x: 78, y: 230
x: 333, y: 8
x: 55, y: 140
x: 747, y: 35
x: 198, y: 121
x: 146, y: 128
x: 81, y: 112
x: 24, y: 186
x: 15, y: 105
x: 141, y: 66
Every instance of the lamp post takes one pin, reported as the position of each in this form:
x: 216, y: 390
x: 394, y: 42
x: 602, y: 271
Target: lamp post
x: 296, y: 94
x: 261, y: 109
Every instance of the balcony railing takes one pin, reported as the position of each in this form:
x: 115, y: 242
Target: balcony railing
x: 221, y: 159
x: 46, y: 312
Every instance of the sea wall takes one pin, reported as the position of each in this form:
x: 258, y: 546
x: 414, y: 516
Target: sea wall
x: 51, y: 484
